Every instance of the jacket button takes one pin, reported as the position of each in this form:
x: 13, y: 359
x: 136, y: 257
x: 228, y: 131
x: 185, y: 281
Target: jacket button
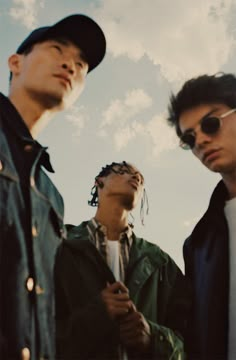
x: 25, y: 354
x: 161, y: 337
x: 30, y: 284
x: 34, y: 231
x: 28, y: 148
x: 1, y: 165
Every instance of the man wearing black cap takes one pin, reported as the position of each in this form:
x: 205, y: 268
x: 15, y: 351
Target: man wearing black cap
x: 48, y: 73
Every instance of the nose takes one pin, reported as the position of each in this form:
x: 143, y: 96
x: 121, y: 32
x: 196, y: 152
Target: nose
x: 137, y: 176
x: 68, y: 64
x: 201, y: 139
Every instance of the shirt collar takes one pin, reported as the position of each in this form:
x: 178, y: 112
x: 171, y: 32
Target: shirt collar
x: 17, y: 126
x: 95, y: 226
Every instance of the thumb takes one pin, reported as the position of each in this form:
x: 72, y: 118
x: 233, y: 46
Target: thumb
x: 132, y: 307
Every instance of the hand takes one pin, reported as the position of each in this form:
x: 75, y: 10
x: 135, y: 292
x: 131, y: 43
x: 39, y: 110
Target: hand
x: 135, y: 331
x: 116, y: 299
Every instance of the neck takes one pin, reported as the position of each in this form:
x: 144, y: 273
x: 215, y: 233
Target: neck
x: 230, y: 183
x: 114, y: 218
x: 32, y: 112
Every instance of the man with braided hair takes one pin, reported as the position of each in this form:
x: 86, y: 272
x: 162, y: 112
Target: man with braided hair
x: 117, y: 295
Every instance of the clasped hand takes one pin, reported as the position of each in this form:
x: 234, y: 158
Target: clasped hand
x: 134, y: 329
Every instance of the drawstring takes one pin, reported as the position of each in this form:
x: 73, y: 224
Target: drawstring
x: 144, y: 201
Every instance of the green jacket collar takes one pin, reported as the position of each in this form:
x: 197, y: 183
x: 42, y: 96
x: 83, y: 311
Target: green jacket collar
x: 78, y: 239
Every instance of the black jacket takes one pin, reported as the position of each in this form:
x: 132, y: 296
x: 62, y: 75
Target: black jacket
x: 207, y: 267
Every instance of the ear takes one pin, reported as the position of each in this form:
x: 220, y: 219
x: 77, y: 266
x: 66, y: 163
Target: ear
x: 14, y: 63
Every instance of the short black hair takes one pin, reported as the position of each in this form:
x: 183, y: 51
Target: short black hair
x: 205, y: 89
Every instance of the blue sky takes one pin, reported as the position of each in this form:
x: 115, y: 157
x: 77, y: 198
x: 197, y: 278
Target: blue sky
x: 153, y: 46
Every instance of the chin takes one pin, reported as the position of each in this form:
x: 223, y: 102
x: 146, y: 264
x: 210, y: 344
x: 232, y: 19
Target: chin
x: 218, y: 168
x: 129, y: 204
x: 71, y: 98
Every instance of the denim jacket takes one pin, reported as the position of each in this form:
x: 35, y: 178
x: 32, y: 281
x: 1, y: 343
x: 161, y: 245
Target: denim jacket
x: 27, y: 257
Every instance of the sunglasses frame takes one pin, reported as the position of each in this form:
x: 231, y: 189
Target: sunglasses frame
x: 192, y: 134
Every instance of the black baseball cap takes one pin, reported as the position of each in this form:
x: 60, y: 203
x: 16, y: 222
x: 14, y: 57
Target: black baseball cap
x: 80, y: 29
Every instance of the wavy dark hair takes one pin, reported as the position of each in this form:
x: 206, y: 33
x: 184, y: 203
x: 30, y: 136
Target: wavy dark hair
x: 205, y: 89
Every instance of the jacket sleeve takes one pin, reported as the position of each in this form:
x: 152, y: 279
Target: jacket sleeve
x: 174, y: 303
x: 78, y: 329
x: 165, y: 343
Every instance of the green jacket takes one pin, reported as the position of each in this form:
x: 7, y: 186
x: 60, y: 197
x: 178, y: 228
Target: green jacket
x: 156, y: 286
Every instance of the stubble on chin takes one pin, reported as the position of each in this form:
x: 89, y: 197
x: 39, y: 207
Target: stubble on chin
x: 49, y: 100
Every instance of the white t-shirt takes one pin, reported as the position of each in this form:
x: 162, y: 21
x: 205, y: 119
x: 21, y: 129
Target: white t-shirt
x: 114, y: 257
x: 230, y: 213
x: 113, y: 247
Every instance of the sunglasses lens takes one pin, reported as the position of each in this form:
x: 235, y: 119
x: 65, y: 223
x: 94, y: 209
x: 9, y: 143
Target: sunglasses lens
x: 210, y: 125
x: 187, y: 141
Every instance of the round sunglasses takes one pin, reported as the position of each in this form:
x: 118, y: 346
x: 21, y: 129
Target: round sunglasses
x: 208, y: 125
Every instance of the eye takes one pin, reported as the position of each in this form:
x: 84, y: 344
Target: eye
x: 80, y: 64
x: 58, y: 48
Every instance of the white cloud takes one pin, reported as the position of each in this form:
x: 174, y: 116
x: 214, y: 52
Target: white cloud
x: 25, y: 11
x: 78, y: 117
x: 184, y: 37
x: 121, y: 122
x: 122, y: 110
x: 156, y: 131
x: 161, y: 134
x: 123, y: 136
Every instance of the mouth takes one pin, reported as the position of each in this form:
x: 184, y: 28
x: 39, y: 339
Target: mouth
x: 65, y: 80
x: 210, y: 155
x: 134, y: 184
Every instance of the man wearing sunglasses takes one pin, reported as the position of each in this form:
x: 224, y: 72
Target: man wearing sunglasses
x: 204, y: 115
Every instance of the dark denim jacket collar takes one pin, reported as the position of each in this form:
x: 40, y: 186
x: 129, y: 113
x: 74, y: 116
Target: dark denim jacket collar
x: 15, y: 124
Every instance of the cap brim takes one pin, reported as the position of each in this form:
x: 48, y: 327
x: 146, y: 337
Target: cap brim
x: 81, y: 30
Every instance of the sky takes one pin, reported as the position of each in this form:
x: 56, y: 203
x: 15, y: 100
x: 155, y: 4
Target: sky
x: 153, y: 46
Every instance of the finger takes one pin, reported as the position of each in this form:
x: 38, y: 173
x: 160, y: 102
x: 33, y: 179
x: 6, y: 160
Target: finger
x: 131, y: 339
x: 118, y: 286
x: 133, y: 308
x: 116, y: 299
x: 120, y: 304
x: 122, y: 297
x: 116, y: 311
x: 131, y: 317
x: 131, y: 327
